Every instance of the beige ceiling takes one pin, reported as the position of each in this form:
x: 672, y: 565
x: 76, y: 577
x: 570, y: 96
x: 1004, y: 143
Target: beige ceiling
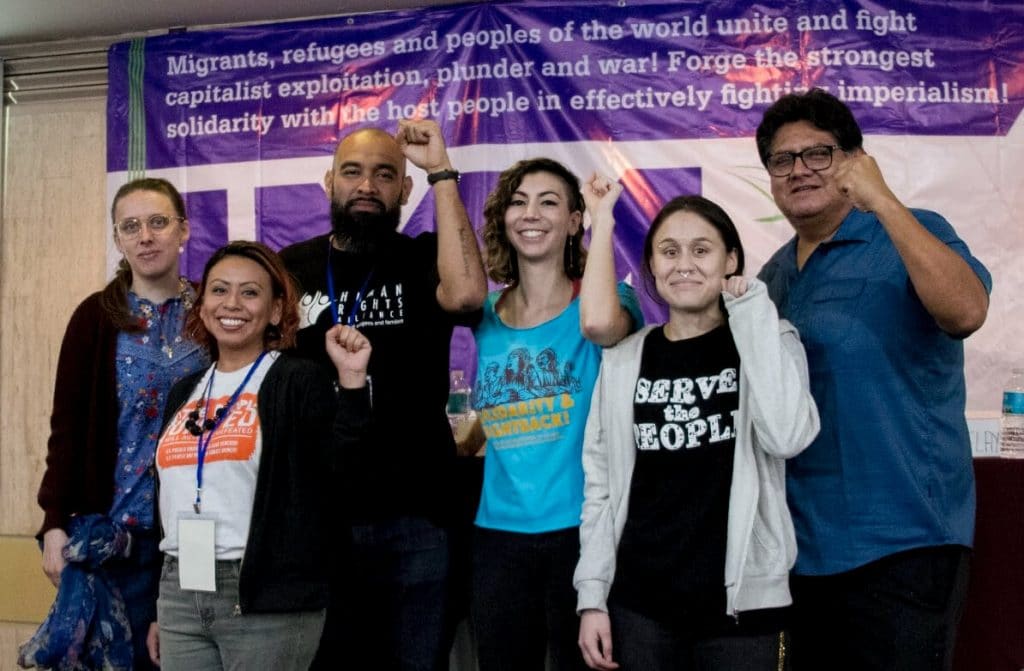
x: 30, y: 21
x: 57, y: 49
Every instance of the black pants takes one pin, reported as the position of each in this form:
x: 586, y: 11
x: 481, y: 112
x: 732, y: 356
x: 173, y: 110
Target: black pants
x: 523, y: 605
x: 388, y: 605
x: 898, y: 613
x: 640, y: 643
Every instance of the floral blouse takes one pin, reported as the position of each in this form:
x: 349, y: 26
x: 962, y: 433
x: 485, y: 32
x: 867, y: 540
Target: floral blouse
x: 148, y: 364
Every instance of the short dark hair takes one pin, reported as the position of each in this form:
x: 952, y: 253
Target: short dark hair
x: 500, y: 257
x: 707, y: 210
x: 281, y: 336
x: 819, y: 108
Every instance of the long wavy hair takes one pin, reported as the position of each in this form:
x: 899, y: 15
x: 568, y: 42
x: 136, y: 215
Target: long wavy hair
x: 114, y: 296
x: 275, y: 337
x: 500, y: 257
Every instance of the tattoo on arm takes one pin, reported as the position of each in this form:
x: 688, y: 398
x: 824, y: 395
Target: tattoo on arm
x: 467, y: 239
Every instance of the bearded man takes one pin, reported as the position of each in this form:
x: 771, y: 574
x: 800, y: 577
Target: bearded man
x: 392, y: 497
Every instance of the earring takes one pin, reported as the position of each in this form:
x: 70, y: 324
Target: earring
x: 571, y: 256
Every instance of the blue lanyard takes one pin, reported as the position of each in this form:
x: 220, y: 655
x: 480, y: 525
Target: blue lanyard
x: 332, y: 296
x: 204, y: 445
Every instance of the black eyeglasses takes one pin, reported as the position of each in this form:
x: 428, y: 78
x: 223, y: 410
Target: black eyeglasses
x: 818, y: 157
x: 131, y: 227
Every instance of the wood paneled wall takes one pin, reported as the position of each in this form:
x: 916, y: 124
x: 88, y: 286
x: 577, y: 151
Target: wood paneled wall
x: 53, y: 233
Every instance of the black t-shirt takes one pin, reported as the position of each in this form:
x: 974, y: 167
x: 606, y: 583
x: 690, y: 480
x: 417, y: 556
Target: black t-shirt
x: 671, y: 559
x: 391, y: 297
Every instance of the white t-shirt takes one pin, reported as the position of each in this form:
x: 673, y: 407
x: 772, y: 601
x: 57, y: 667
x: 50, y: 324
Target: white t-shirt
x: 229, y: 469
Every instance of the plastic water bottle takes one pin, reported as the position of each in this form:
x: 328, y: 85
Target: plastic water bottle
x: 461, y: 415
x: 1011, y: 436
x: 458, y: 397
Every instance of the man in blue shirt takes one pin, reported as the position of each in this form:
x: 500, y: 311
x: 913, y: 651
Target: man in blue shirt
x: 883, y: 500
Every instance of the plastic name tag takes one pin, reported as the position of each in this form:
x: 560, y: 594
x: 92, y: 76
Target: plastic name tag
x: 197, y: 554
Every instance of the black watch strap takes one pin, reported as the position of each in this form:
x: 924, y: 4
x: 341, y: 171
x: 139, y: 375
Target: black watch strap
x: 441, y: 175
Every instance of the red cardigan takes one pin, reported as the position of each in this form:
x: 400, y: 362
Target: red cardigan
x: 82, y: 450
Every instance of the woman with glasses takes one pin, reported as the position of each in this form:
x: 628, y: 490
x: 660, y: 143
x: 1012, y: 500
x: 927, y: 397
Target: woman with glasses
x: 122, y: 352
x: 246, y: 464
x: 686, y: 540
x: 539, y: 346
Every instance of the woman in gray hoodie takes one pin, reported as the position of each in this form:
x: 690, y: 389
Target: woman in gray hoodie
x: 686, y: 540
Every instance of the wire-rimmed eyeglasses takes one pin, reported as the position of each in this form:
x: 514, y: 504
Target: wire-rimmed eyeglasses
x: 131, y: 227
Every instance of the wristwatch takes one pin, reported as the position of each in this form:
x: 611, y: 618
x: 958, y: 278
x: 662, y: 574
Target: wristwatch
x: 441, y: 175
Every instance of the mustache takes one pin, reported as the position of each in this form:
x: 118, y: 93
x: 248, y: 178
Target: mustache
x: 365, y: 199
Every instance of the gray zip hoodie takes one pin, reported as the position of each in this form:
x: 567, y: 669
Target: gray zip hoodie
x: 776, y: 420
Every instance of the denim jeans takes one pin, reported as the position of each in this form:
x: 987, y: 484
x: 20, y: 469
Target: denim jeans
x: 205, y: 631
x: 388, y: 603
x: 640, y: 643
x: 523, y: 605
x: 900, y: 612
x: 136, y: 578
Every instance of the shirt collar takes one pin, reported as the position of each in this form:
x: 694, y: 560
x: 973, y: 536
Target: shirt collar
x: 857, y: 226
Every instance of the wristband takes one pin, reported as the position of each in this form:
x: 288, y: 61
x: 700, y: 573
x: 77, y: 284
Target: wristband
x: 441, y: 175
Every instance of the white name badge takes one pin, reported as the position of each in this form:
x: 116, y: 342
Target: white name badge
x: 197, y: 554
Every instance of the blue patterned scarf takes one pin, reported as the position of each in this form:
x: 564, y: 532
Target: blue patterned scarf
x: 87, y: 627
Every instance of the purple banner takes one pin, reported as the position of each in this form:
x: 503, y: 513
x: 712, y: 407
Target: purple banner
x: 553, y: 71
x: 664, y: 96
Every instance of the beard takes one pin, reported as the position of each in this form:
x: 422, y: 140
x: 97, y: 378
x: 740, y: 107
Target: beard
x: 361, y: 231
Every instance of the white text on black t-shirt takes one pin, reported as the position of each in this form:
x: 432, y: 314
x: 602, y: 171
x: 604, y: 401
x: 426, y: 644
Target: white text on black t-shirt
x: 684, y: 427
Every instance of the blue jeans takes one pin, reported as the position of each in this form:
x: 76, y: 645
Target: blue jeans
x: 899, y: 612
x: 389, y: 603
x: 137, y: 579
x: 523, y: 605
x: 205, y: 631
x: 640, y: 643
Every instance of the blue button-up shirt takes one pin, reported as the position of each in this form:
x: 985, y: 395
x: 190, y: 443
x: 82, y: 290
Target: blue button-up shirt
x: 891, y: 469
